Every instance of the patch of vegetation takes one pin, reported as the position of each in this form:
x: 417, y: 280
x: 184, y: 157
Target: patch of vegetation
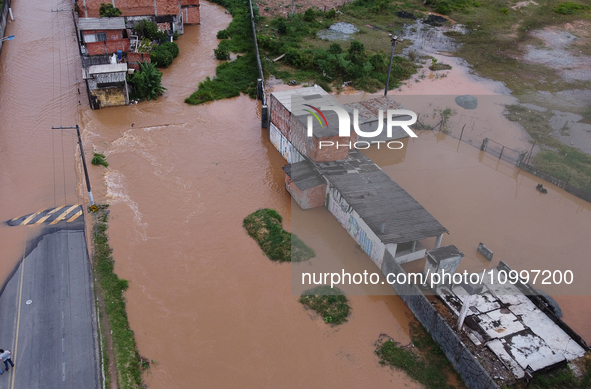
x: 223, y: 34
x: 111, y: 288
x: 330, y: 303
x: 109, y: 11
x: 571, y: 8
x: 425, y: 364
x: 558, y: 379
x: 557, y: 159
x: 309, y: 60
x: 438, y: 66
x: 148, y: 29
x: 264, y: 226
x: 147, y: 83
x: 163, y: 55
x: 240, y: 75
x: 99, y: 159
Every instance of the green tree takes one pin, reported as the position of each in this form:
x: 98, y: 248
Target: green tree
x: 109, y: 11
x: 147, y: 82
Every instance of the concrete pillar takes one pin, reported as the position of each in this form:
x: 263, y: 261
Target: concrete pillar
x: 414, y: 246
x: 438, y: 241
x: 464, y: 311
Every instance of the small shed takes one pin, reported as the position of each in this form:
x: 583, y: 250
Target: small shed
x: 305, y: 184
x: 107, y: 84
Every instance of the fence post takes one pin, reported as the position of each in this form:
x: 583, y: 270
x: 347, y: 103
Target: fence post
x: 462, y: 132
x: 503, y: 149
x: 484, y: 143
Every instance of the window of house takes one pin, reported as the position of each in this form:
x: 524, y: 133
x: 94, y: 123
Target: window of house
x: 101, y: 37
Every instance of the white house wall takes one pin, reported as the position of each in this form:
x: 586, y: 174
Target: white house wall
x: 356, y: 227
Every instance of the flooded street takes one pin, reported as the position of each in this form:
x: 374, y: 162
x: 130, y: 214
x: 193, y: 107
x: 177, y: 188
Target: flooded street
x: 206, y: 306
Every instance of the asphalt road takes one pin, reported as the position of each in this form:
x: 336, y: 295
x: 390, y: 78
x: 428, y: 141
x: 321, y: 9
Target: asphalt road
x: 47, y: 316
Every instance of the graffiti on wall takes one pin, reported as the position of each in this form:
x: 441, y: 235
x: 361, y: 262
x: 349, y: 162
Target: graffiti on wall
x: 343, y: 212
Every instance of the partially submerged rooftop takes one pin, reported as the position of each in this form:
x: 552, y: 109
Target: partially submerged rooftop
x: 525, y: 338
x: 376, y: 198
x: 296, y: 101
x: 304, y: 175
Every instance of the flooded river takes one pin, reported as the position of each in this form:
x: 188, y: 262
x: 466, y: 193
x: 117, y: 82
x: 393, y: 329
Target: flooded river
x: 205, y: 304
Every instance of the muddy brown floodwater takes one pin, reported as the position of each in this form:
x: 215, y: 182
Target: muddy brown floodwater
x: 204, y: 302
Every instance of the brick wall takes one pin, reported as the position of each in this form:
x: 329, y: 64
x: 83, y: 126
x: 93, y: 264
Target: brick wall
x: 280, y: 116
x: 134, y: 59
x: 90, y: 8
x: 309, y: 198
x: 331, y: 153
x: 108, y: 47
x: 191, y: 14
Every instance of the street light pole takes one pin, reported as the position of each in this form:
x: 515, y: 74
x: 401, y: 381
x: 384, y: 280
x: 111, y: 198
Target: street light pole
x: 92, y: 206
x: 394, y: 40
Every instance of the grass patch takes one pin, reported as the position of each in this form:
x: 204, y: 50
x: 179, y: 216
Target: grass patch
x: 330, y: 303
x: 264, y: 226
x: 308, y: 59
x: 425, y: 364
x: 240, y: 75
x: 570, y: 8
x: 99, y: 159
x: 111, y: 287
x: 557, y: 159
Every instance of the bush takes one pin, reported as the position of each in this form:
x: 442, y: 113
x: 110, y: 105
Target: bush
x: 149, y: 29
x: 281, y: 26
x: 171, y: 47
x: 443, y: 8
x: 161, y: 58
x: 99, y: 159
x: 221, y: 53
x: 109, y: 11
x: 504, y: 11
x: 331, y: 14
x: 570, y: 8
x: 163, y: 54
x: 335, y: 48
x: 310, y: 15
x: 223, y: 34
x: 147, y: 82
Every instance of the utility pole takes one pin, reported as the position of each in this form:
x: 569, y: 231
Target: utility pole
x: 92, y: 206
x: 394, y: 39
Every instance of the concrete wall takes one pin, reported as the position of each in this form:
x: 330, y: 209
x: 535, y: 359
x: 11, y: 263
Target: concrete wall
x: 109, y: 97
x: 355, y: 226
x: 3, y: 20
x: 287, y: 150
x: 454, y: 349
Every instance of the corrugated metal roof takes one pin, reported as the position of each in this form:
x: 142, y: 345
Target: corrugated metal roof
x: 107, y: 68
x: 376, y: 198
x: 110, y: 78
x: 117, y: 23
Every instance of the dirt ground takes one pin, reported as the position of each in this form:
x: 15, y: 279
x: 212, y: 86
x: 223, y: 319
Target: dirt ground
x: 283, y: 7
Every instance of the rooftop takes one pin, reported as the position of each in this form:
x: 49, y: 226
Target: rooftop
x: 376, y: 198
x: 295, y: 101
x: 446, y: 252
x: 117, y: 23
x: 304, y: 175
